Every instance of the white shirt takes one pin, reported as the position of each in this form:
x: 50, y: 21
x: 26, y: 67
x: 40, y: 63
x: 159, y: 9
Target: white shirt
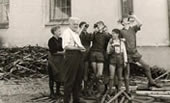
x: 71, y: 39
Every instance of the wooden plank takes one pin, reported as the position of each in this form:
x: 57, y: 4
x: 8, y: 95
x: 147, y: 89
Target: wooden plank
x: 161, y: 96
x: 143, y: 99
x: 162, y: 75
x: 127, y: 96
x: 160, y: 89
x: 153, y: 92
x: 122, y: 99
x: 116, y: 96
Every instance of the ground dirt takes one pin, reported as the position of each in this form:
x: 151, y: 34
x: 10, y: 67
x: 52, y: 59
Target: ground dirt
x: 26, y: 91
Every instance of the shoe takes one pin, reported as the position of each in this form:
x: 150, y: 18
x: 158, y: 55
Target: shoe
x: 154, y: 85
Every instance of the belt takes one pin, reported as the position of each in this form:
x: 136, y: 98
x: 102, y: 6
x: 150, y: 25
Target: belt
x: 73, y: 51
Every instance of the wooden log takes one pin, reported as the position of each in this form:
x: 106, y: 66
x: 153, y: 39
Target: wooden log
x: 165, y: 80
x: 116, y: 96
x: 127, y: 96
x: 122, y: 99
x: 153, y: 92
x: 162, y: 75
x: 160, y: 89
x: 104, y: 97
x: 161, y: 96
x: 126, y: 101
x: 143, y: 99
x: 20, y: 66
x: 139, y: 101
x: 132, y: 88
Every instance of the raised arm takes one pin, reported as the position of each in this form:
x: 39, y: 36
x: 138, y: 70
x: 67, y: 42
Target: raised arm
x: 124, y: 52
x: 138, y: 21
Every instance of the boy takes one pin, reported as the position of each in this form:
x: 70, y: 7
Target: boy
x: 131, y: 25
x: 98, y: 49
x: 54, y: 60
x: 85, y: 40
x: 100, y: 40
x: 118, y: 59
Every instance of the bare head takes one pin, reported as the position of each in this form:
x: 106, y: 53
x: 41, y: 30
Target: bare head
x: 100, y: 25
x: 74, y: 23
x: 56, y: 31
x: 116, y: 34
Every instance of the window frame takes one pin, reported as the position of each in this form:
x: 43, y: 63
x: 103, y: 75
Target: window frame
x: 5, y: 25
x: 126, y: 7
x: 61, y: 21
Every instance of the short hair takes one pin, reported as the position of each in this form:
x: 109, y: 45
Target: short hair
x: 82, y: 23
x: 53, y: 29
x: 100, y: 22
x: 117, y: 31
x: 95, y: 25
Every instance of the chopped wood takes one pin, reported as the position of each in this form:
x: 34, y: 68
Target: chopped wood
x: 116, y: 96
x: 161, y: 96
x: 122, y: 99
x: 160, y: 89
x: 127, y: 96
x: 166, y: 73
x: 153, y: 92
x: 20, y: 62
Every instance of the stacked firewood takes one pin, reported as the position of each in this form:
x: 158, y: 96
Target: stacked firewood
x: 28, y: 61
x: 31, y: 61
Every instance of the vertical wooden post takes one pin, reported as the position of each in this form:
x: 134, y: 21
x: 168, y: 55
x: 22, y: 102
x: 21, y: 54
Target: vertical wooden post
x: 168, y: 3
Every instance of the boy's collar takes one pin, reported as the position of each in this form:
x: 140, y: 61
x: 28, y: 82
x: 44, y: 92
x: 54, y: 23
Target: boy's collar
x: 126, y: 28
x: 56, y: 37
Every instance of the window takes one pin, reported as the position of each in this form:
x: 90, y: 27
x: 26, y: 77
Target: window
x: 127, y: 7
x: 4, y: 11
x: 60, y: 10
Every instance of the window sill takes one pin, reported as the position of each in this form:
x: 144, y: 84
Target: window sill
x: 4, y: 25
x: 57, y: 22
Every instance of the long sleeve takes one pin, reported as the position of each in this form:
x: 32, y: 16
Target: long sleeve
x: 71, y: 40
x: 124, y: 52
x: 52, y: 47
x: 55, y: 45
x: 77, y: 41
x: 109, y: 47
x: 66, y: 39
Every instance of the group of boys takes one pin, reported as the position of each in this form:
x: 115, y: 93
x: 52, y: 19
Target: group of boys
x: 83, y: 49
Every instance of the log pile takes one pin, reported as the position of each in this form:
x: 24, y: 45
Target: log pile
x: 31, y: 61
x: 28, y: 61
x: 161, y: 95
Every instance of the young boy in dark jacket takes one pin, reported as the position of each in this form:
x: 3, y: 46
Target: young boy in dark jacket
x: 55, y: 58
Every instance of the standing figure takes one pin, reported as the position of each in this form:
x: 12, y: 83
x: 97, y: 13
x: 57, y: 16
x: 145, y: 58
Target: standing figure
x: 117, y: 60
x: 55, y: 58
x: 73, y: 61
x: 131, y: 25
x: 100, y: 40
x: 85, y: 40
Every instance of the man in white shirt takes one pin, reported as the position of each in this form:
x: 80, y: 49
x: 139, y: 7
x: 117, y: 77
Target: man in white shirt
x: 73, y: 61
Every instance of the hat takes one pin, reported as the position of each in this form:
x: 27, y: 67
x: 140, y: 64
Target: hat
x: 83, y: 23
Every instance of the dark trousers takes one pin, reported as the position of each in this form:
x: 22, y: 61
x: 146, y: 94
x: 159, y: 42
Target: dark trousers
x: 73, y: 75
